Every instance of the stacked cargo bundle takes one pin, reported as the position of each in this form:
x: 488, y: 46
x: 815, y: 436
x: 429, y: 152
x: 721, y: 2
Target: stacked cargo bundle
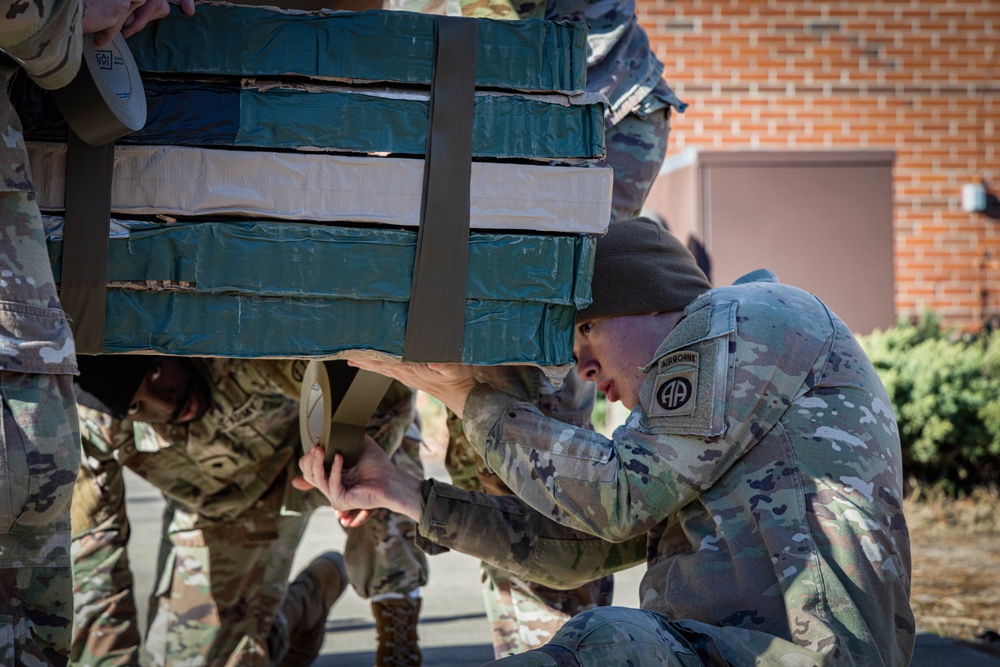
x: 275, y: 204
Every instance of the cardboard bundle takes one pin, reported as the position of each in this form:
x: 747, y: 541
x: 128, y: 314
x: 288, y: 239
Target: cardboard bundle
x: 273, y: 204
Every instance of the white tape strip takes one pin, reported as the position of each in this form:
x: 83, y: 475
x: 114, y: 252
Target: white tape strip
x: 315, y: 411
x: 189, y: 181
x: 106, y: 100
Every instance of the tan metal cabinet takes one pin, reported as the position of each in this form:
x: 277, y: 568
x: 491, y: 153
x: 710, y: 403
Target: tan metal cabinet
x: 820, y: 220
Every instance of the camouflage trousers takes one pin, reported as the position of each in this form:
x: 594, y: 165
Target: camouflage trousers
x: 621, y: 636
x: 39, y: 456
x: 636, y: 148
x: 220, y: 582
x: 524, y: 615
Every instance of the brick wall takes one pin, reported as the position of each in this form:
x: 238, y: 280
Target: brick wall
x: 917, y: 77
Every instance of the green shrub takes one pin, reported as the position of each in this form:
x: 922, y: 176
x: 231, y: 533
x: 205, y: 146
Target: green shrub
x: 945, y: 390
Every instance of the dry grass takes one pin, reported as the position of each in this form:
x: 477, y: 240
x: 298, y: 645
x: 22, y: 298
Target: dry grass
x: 956, y: 556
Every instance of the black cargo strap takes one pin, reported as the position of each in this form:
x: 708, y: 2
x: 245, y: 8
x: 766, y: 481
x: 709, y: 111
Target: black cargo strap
x: 83, y: 285
x: 435, y: 322
x: 356, y: 394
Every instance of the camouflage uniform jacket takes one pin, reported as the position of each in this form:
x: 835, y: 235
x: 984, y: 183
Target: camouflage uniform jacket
x: 220, y: 465
x: 620, y: 63
x: 34, y: 333
x: 762, y: 465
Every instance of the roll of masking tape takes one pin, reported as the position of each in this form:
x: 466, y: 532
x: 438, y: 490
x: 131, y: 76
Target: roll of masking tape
x: 315, y: 410
x: 334, y: 410
x: 106, y: 99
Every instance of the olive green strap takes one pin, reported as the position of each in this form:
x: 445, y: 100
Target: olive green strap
x: 356, y: 394
x: 83, y: 286
x: 435, y: 323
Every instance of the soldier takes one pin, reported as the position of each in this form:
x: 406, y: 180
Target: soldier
x: 621, y: 65
x: 219, y: 438
x: 760, y: 467
x: 39, y: 435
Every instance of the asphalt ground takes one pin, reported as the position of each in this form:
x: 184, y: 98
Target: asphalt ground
x: 453, y: 627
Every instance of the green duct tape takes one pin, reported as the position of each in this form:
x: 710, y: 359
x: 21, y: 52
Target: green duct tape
x: 283, y: 289
x: 504, y: 126
x: 391, y: 46
x: 225, y: 325
x: 319, y: 261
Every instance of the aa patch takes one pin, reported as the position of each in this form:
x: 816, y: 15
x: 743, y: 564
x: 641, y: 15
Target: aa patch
x: 675, y: 391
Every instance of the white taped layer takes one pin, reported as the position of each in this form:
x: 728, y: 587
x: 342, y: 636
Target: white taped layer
x: 187, y: 181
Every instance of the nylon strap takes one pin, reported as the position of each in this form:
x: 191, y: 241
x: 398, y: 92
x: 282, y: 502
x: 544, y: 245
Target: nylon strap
x: 83, y: 286
x: 435, y: 322
x: 355, y: 393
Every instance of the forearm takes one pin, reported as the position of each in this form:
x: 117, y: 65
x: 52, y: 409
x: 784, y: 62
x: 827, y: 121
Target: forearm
x: 504, y: 531
x: 45, y: 38
x: 614, y: 489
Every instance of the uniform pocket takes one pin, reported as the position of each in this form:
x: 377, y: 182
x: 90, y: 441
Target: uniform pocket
x: 13, y: 469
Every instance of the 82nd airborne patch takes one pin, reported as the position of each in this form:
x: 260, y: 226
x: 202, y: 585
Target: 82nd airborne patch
x: 676, y: 386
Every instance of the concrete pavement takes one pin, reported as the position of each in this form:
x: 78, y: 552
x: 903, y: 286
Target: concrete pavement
x: 453, y: 627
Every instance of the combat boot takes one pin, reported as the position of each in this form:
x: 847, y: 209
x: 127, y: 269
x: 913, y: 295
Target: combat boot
x: 306, y: 605
x: 396, y: 626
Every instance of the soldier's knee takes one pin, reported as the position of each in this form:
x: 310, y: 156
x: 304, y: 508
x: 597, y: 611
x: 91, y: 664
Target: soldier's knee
x: 612, y: 625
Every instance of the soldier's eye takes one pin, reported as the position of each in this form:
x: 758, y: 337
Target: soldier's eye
x: 133, y: 408
x: 154, y: 372
x: 584, y: 329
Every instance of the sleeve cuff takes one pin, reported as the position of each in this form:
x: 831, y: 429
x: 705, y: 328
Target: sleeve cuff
x: 429, y: 516
x: 483, y: 409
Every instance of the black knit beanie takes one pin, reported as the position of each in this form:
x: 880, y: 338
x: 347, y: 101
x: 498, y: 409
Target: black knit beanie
x: 112, y: 379
x: 640, y: 267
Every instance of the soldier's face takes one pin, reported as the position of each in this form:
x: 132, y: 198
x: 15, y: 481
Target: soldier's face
x: 172, y: 392
x: 611, y: 351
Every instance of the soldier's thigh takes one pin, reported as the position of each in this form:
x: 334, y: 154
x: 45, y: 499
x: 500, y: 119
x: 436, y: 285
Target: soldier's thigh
x: 612, y: 636
x: 636, y: 147
x: 39, y: 455
x: 382, y: 557
x: 39, y: 458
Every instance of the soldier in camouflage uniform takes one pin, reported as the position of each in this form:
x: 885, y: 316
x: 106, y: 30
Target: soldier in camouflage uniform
x: 621, y: 65
x: 760, y: 468
x: 39, y: 436
x: 220, y: 439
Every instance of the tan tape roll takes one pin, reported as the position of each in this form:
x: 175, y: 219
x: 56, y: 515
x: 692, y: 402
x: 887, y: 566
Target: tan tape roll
x: 315, y: 410
x: 333, y: 411
x: 106, y: 99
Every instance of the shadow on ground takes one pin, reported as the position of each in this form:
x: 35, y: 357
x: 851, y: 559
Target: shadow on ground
x: 438, y: 656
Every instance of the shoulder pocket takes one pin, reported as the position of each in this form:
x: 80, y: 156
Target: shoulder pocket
x: 691, y: 378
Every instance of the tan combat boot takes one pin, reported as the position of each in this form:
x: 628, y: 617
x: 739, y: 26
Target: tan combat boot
x: 396, y: 626
x: 307, y: 603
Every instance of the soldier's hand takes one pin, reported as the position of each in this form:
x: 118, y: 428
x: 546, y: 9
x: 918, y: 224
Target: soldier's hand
x: 106, y: 18
x: 150, y: 11
x: 373, y: 482
x: 449, y: 383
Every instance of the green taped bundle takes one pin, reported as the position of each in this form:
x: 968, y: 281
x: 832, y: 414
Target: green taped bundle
x: 262, y: 289
x: 388, y: 46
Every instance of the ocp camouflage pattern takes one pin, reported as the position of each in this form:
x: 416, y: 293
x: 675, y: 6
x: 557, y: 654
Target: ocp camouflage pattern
x: 231, y: 525
x: 39, y: 446
x: 43, y: 38
x: 524, y: 615
x: 39, y: 436
x: 762, y: 465
x: 620, y: 62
